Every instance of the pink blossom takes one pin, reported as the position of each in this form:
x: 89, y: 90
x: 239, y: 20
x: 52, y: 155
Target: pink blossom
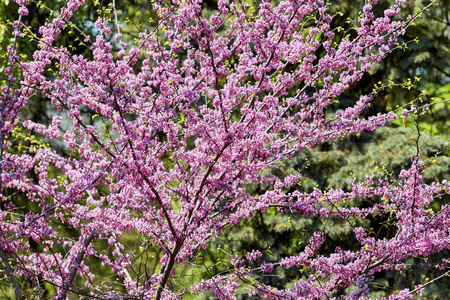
x: 266, y: 267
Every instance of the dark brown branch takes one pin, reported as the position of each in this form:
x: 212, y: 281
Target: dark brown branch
x: 10, y: 273
x: 73, y: 273
x: 168, y: 268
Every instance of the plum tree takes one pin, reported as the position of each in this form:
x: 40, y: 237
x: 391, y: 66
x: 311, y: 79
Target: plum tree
x: 162, y: 138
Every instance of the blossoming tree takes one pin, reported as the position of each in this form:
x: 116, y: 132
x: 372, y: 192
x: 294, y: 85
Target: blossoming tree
x: 162, y: 140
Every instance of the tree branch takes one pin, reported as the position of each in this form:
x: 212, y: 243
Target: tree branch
x: 75, y: 267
